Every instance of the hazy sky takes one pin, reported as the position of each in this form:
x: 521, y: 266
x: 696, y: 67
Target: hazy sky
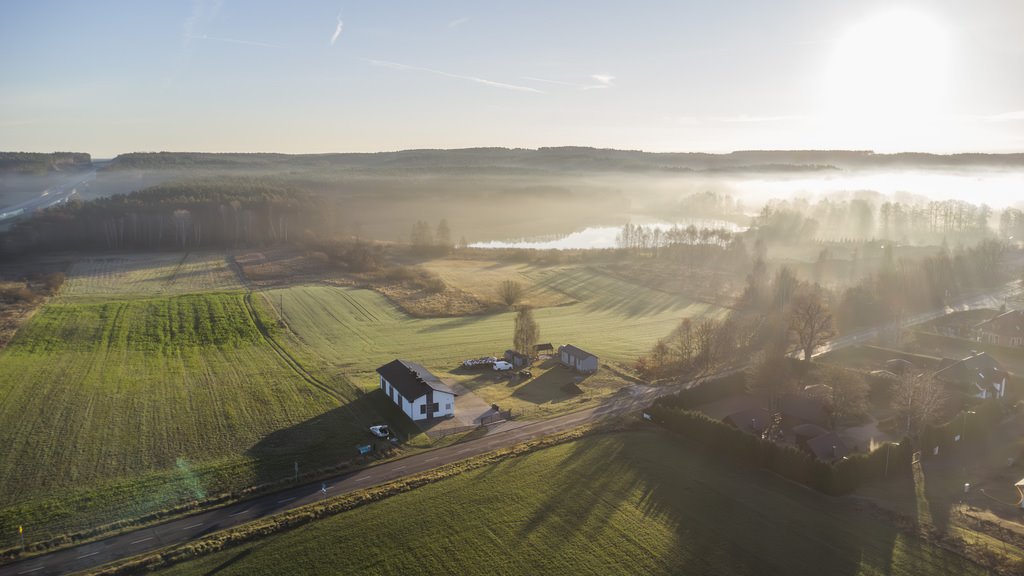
x: 318, y: 76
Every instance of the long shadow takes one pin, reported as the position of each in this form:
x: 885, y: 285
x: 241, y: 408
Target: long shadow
x: 329, y: 439
x: 556, y: 385
x: 227, y: 563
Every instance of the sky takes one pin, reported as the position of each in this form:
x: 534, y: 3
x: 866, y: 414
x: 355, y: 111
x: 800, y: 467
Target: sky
x: 108, y: 77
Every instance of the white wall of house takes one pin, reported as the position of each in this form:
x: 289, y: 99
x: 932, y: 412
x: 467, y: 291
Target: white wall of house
x: 414, y: 410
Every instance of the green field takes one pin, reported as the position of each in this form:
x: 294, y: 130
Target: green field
x: 148, y: 275
x: 111, y: 410
x: 629, y: 503
x: 358, y: 330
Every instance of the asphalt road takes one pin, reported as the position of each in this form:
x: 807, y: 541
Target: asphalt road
x: 631, y: 398
x: 49, y: 197
x: 144, y: 540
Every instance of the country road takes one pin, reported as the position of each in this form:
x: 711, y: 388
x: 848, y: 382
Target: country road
x: 185, y: 529
x: 631, y: 398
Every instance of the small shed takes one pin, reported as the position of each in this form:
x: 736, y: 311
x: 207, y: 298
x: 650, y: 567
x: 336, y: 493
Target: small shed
x: 545, y: 348
x: 577, y: 359
x: 516, y: 359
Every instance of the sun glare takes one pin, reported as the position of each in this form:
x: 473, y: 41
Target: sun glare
x: 888, y: 77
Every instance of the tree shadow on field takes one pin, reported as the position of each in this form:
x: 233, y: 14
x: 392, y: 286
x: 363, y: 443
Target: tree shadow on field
x: 456, y: 322
x: 227, y: 563
x: 329, y: 439
x: 736, y: 520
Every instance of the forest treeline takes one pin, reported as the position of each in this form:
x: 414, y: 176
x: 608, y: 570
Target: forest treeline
x: 215, y: 213
x: 38, y: 163
x: 577, y: 158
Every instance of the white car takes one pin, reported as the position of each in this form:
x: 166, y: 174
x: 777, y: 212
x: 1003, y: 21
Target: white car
x: 380, y: 431
x: 501, y: 366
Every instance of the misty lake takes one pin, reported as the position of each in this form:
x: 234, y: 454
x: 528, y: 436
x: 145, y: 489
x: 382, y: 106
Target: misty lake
x: 598, y: 237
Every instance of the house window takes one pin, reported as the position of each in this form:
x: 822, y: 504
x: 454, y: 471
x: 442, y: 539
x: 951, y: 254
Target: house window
x: 447, y: 406
x: 423, y: 409
x: 435, y: 408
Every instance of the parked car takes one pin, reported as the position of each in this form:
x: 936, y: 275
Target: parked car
x: 525, y: 374
x: 380, y: 431
x: 502, y: 366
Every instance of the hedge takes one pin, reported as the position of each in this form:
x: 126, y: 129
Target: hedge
x: 737, y: 446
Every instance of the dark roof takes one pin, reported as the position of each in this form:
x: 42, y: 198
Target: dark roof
x: 544, y: 346
x: 1010, y: 323
x: 828, y: 447
x: 751, y: 421
x: 514, y: 353
x: 411, y: 379
x: 980, y: 368
x: 803, y: 409
x: 577, y: 352
x: 808, y: 430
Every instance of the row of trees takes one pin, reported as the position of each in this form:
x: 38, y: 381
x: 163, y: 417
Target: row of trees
x: 865, y: 218
x: 218, y: 213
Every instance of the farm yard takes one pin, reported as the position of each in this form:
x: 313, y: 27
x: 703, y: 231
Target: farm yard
x: 654, y: 508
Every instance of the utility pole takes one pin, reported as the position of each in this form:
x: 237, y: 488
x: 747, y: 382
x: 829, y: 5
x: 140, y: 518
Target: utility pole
x: 296, y: 470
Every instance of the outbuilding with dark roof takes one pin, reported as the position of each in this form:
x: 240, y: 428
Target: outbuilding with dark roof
x: 577, y: 359
x: 417, y: 392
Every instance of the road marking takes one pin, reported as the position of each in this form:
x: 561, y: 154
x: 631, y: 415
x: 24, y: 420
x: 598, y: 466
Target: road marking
x: 242, y: 512
x: 287, y: 500
x: 362, y: 478
x: 192, y: 526
x: 399, y: 468
x: 431, y: 459
x: 143, y: 540
x: 32, y: 570
x: 87, y: 555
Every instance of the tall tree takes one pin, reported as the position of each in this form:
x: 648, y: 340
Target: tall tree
x: 918, y: 399
x: 509, y: 292
x: 443, y: 237
x: 810, y: 322
x: 527, y: 332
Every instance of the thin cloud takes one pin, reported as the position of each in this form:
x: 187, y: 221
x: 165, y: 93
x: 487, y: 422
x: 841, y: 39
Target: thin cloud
x: 458, y: 22
x: 743, y: 119
x: 203, y: 14
x: 476, y: 79
x: 604, y: 81
x: 337, y: 30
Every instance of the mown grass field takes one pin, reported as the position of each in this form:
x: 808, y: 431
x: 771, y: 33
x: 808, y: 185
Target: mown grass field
x: 482, y: 278
x: 111, y: 410
x: 628, y: 503
x: 353, y: 331
x: 358, y: 330
x: 149, y: 275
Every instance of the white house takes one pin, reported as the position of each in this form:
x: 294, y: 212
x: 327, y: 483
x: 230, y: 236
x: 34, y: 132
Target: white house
x: 416, y: 391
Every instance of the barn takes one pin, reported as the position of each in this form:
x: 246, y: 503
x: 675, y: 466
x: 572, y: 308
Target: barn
x: 416, y: 391
x: 577, y: 359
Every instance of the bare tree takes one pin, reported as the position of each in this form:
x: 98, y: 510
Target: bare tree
x: 849, y: 394
x: 705, y: 336
x: 527, y: 332
x: 510, y: 291
x: 919, y: 399
x: 810, y: 321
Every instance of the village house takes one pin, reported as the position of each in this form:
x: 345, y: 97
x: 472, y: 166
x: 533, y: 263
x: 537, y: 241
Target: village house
x: 416, y: 391
x: 979, y: 375
x: 1006, y: 329
x: 577, y: 359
